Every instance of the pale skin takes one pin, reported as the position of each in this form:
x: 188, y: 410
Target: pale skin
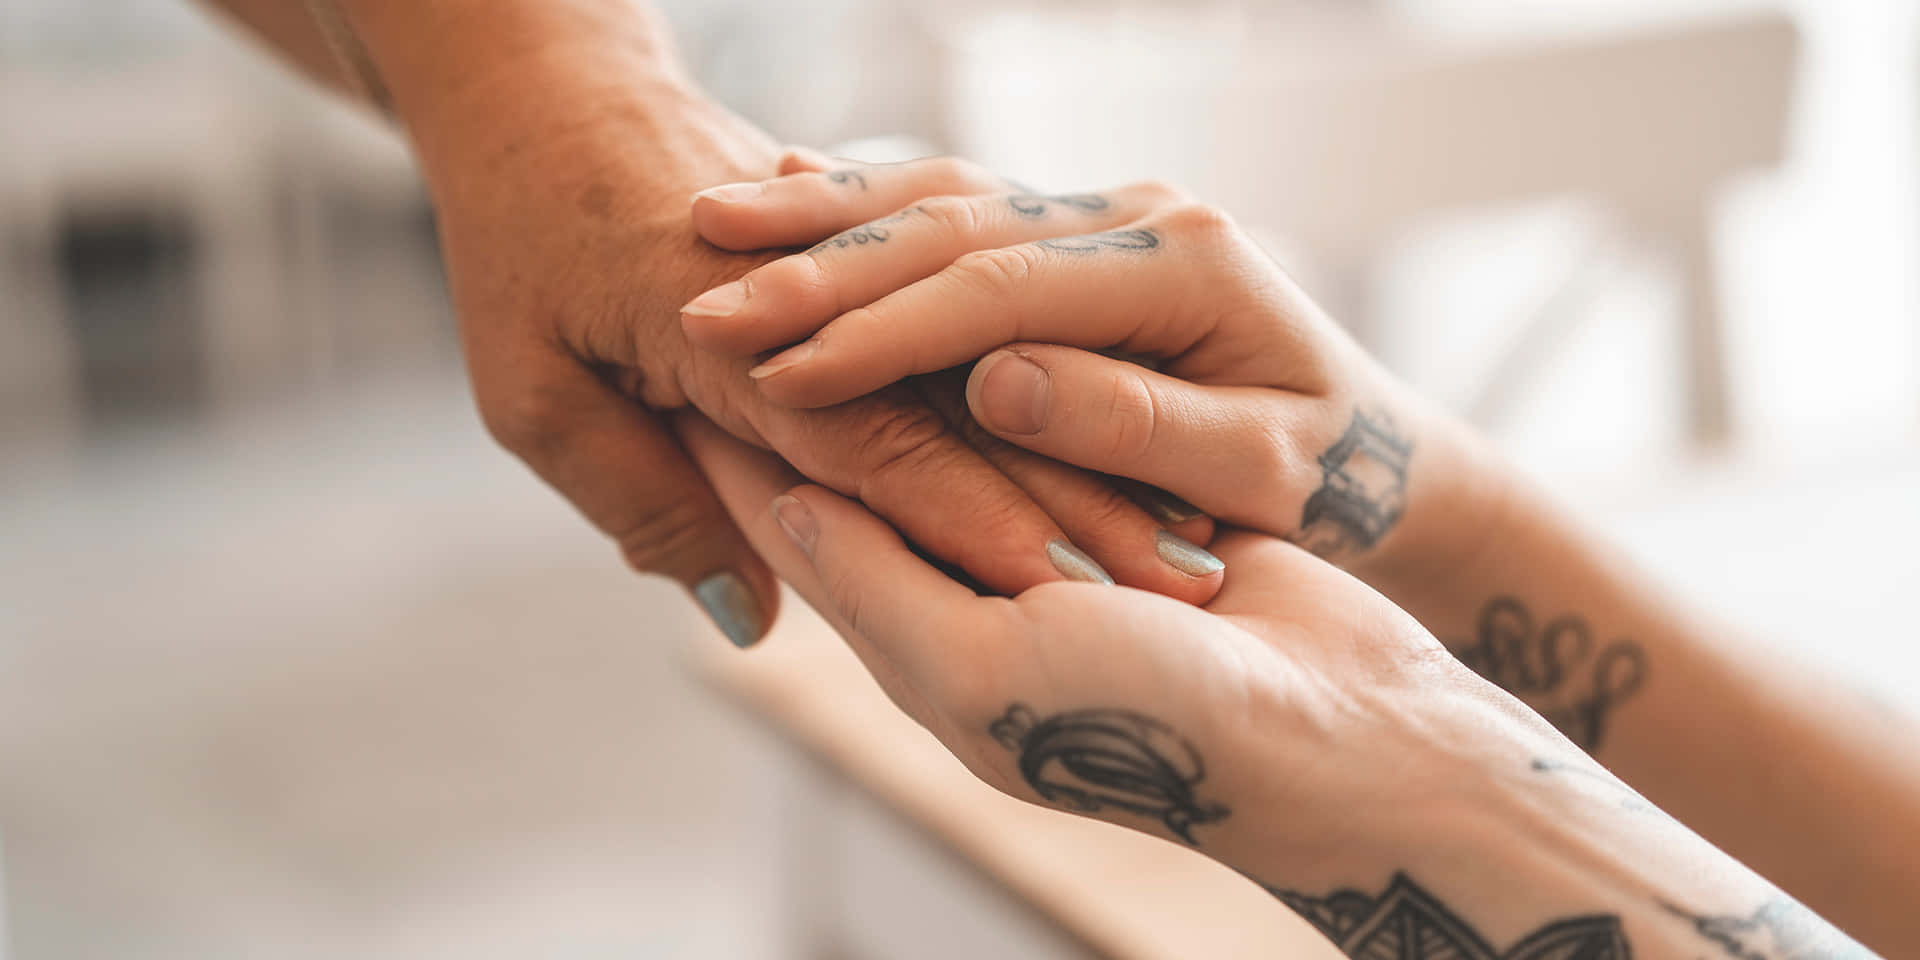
x: 1338, y: 746
x: 560, y: 141
x: 1255, y: 392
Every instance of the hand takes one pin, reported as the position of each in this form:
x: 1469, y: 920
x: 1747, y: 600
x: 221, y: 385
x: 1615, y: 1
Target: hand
x: 569, y: 251
x: 1300, y: 729
x: 1262, y: 412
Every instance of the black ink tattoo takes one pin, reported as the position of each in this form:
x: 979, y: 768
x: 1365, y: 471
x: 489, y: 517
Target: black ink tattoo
x: 1781, y: 929
x: 1557, y: 669
x: 1092, y: 760
x: 1629, y: 799
x: 1033, y: 206
x: 1408, y: 923
x: 861, y: 235
x: 848, y: 176
x: 873, y: 231
x: 1111, y: 240
x: 1363, y: 488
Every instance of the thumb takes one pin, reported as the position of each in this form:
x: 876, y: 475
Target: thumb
x: 1232, y: 452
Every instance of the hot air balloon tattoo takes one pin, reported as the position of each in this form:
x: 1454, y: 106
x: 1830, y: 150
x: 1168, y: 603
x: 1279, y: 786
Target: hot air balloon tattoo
x: 1093, y: 760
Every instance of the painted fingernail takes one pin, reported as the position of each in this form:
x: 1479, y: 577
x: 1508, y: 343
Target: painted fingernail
x: 732, y: 607
x: 722, y: 301
x: 1184, y: 556
x: 733, y: 192
x: 1014, y: 394
x: 794, y: 517
x: 1167, y: 508
x: 1074, y: 564
x: 785, y: 360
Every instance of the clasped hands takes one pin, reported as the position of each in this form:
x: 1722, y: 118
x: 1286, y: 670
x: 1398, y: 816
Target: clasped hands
x: 1162, y: 709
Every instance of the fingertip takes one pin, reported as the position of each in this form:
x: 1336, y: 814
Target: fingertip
x: 727, y: 225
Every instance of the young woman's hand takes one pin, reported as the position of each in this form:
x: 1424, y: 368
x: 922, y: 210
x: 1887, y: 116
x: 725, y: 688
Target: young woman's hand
x: 1300, y: 729
x: 1261, y: 411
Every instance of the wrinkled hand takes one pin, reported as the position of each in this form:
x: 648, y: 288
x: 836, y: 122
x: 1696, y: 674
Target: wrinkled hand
x: 570, y: 252
x: 1261, y: 411
x: 1296, y: 718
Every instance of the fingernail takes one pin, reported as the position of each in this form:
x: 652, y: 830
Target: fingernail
x: 1185, y: 556
x: 785, y: 360
x: 732, y: 607
x: 1074, y: 564
x: 794, y: 517
x: 733, y: 192
x: 1167, y: 508
x: 721, y: 301
x: 1014, y: 394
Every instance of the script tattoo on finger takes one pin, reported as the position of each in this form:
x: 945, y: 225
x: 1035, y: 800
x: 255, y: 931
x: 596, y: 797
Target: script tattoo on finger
x: 1363, y: 487
x: 1407, y: 922
x: 1093, y: 760
x: 1034, y: 206
x: 844, y: 177
x: 1557, y: 668
x: 1781, y: 929
x: 873, y: 231
x: 1138, y: 240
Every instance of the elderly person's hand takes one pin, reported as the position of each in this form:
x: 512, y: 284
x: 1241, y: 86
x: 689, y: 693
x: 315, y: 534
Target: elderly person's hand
x: 1300, y: 729
x: 1261, y: 413
x: 561, y: 171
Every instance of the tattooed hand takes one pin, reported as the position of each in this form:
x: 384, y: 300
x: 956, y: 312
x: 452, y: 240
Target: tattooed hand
x: 1261, y: 412
x: 1300, y: 729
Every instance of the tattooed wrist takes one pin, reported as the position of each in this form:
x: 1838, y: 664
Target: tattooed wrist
x: 1558, y: 667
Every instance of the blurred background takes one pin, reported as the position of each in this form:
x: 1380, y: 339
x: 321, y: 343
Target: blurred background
x: 294, y: 663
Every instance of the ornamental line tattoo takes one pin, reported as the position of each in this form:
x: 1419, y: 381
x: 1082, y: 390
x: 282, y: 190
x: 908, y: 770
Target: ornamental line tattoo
x: 1363, y: 488
x: 1111, y: 240
x: 1405, y: 922
x: 1034, y: 206
x: 844, y: 177
x: 1558, y: 669
x: 1092, y: 760
x: 1781, y: 929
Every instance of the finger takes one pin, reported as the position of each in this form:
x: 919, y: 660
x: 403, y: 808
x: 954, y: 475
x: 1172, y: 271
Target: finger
x: 804, y: 160
x: 791, y: 298
x: 628, y: 475
x: 803, y: 208
x: 1241, y: 454
x: 901, y: 458
x: 1175, y: 285
x: 1134, y: 547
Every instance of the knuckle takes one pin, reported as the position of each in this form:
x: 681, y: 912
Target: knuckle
x: 1001, y: 270
x: 528, y: 422
x: 1133, y: 418
x: 1160, y: 193
x: 898, y: 439
x: 650, y: 539
x: 1202, y: 221
x: 958, y: 216
x: 960, y: 176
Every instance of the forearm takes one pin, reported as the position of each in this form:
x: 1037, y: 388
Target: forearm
x: 1779, y: 765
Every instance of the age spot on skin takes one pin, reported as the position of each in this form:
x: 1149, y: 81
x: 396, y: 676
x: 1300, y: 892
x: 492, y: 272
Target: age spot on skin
x: 596, y: 201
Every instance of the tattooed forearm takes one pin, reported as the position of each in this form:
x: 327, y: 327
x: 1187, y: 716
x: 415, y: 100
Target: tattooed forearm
x: 1781, y: 929
x: 1558, y: 668
x: 1405, y: 922
x: 1033, y: 206
x: 1092, y: 760
x: 1112, y: 240
x: 1363, y: 487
